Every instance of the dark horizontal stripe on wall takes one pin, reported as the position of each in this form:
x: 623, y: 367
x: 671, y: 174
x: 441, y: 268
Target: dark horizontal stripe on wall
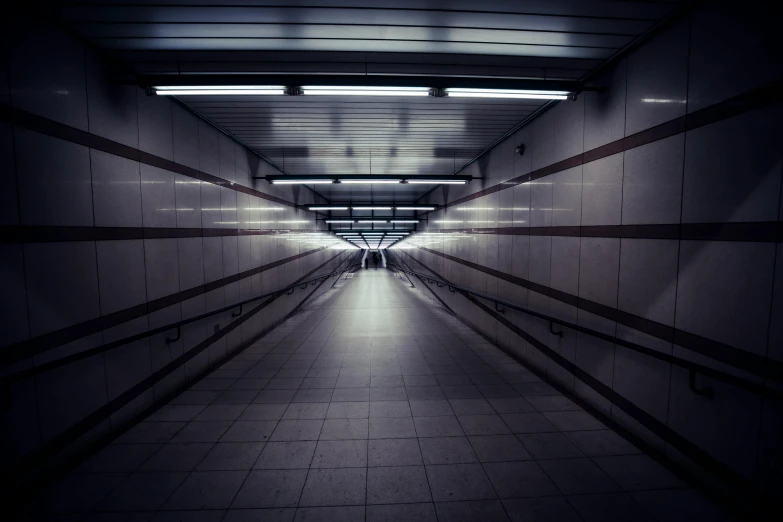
x: 755, y: 99
x: 24, y: 349
x: 694, y: 452
x: 54, y: 234
x: 763, y: 231
x: 61, y: 131
x: 724, y: 353
x: 70, y: 435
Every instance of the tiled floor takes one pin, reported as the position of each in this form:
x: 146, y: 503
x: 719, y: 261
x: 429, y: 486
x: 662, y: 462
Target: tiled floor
x: 373, y: 404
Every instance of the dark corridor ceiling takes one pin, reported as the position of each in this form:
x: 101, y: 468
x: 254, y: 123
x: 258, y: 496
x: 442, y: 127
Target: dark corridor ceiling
x: 511, y: 39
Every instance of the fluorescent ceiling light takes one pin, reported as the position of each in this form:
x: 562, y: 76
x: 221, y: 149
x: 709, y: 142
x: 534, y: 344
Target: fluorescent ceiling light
x: 327, y: 208
x: 371, y: 208
x: 356, y: 181
x: 339, y: 221
x: 339, y: 90
x: 415, y: 208
x: 438, y: 181
x: 372, y: 221
x: 301, y: 181
x: 180, y: 90
x: 457, y: 92
x: 404, y: 221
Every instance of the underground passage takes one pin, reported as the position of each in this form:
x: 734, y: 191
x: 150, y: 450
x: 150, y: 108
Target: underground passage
x: 391, y: 261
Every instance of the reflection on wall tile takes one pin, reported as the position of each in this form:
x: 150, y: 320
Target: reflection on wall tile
x: 116, y: 190
x: 567, y: 197
x: 652, y: 182
x: 55, y: 186
x: 648, y: 278
x: 47, y: 75
x: 724, y: 292
x: 731, y: 174
x: 158, y: 200
x: 188, y: 198
x: 658, y: 79
x: 61, y: 293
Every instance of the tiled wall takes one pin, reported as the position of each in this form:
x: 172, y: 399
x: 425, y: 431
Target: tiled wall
x: 123, y: 213
x: 600, y: 223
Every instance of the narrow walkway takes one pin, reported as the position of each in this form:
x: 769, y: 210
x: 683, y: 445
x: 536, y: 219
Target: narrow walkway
x: 374, y: 404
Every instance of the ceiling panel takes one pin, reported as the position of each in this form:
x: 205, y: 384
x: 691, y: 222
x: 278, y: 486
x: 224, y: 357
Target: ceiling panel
x: 508, y: 39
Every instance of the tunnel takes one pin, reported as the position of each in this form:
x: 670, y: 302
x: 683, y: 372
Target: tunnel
x: 391, y: 260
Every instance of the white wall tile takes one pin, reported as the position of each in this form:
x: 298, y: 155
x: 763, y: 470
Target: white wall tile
x: 186, y: 146
x: 161, y: 261
x: 61, y: 293
x: 605, y: 110
x: 648, y: 278
x: 158, y: 197
x: 55, y: 186
x: 741, y: 37
x: 565, y: 264
x: 47, y: 74
x: 121, y: 274
x: 733, y: 169
x: 13, y: 298
x: 211, y: 212
x: 724, y: 292
x: 569, y: 128
x: 542, y: 146
x: 116, y: 190
x: 188, y: 199
x: 111, y: 104
x: 191, y: 262
x: 566, y: 197
x: 230, y: 255
x: 602, y: 191
x: 156, y: 126
x: 130, y: 363
x: 642, y: 380
x: 652, y: 182
x: 213, y: 258
x: 9, y: 205
x: 658, y: 79
x: 599, y: 262
x: 541, y: 202
x: 595, y: 355
x: 208, y: 149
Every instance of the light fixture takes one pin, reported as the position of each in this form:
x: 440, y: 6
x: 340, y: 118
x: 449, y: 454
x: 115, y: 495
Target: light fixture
x: 438, y: 181
x: 327, y: 208
x: 369, y: 180
x: 339, y: 90
x: 415, y: 208
x: 339, y: 221
x: 371, y: 208
x: 459, y: 92
x: 301, y: 181
x: 404, y: 221
x: 372, y: 221
x: 201, y: 90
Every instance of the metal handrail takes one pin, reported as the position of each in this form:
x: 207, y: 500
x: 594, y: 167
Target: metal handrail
x: 270, y: 296
x: 693, y: 368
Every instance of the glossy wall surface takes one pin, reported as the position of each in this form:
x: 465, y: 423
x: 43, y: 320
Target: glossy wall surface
x: 649, y: 211
x: 122, y: 213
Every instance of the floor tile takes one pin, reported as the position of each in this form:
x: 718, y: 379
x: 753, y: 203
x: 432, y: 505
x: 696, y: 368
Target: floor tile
x: 351, y: 395
x: 549, y: 446
x: 250, y: 431
x: 542, y: 509
x: 265, y: 412
x: 573, y: 420
x: 637, y: 472
x: 511, y: 405
x: 441, y: 426
x: 286, y: 455
x: 345, y: 429
x: 348, y: 410
x: 330, y: 514
x: 143, y: 492
x: 397, y: 484
x: 400, y: 512
x: 306, y: 410
x: 609, y: 506
x: 202, y: 431
x: 519, y: 479
x: 425, y: 393
x: 340, y: 454
x: 483, y: 425
x: 430, y: 408
x: 528, y: 422
x: 289, y: 430
x: 393, y: 452
x: 271, y: 488
x: 459, y: 482
x: 151, y: 432
x: 473, y: 511
x: 498, y: 448
x: 447, y: 450
x: 390, y: 409
x: 177, y: 457
x: 335, y: 487
x: 260, y: 515
x: 391, y: 427
x: 471, y: 407
x: 225, y: 456
x: 207, y: 490
x: 220, y: 412
x: 388, y: 394
x: 578, y: 476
